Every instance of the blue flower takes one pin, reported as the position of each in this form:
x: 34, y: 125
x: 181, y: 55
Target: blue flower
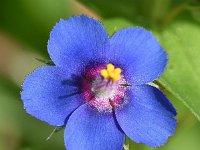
x: 98, y: 87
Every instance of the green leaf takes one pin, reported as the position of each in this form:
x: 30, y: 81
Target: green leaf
x: 182, y: 77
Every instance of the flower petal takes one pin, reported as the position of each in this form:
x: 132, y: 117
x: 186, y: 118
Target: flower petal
x: 88, y: 129
x: 139, y: 52
x: 148, y: 117
x: 47, y: 97
x: 76, y: 41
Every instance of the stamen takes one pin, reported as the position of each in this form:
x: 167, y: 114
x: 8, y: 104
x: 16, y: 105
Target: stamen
x: 125, y: 85
x: 111, y: 73
x: 104, y: 73
x: 110, y: 67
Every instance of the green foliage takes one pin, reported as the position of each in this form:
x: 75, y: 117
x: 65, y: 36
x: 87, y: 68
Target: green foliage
x: 148, y: 13
x: 182, y: 77
x: 195, y: 11
x: 137, y: 11
x: 31, y: 21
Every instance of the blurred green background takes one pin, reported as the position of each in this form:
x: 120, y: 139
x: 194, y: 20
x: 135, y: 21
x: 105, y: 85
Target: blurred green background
x: 24, y: 30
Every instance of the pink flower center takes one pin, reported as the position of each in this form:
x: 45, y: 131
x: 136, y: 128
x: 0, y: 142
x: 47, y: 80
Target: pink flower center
x: 103, y: 94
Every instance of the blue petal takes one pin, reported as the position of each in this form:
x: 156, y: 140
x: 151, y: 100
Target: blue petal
x: 139, y: 52
x: 88, y: 129
x: 148, y: 117
x: 47, y: 97
x: 77, y: 41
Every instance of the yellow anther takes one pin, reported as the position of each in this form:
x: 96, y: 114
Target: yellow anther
x: 116, y: 78
x: 110, y: 67
x: 111, y: 73
x: 117, y: 71
x: 104, y: 73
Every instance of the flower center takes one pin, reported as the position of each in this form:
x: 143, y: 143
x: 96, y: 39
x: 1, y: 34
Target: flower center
x: 103, y: 88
